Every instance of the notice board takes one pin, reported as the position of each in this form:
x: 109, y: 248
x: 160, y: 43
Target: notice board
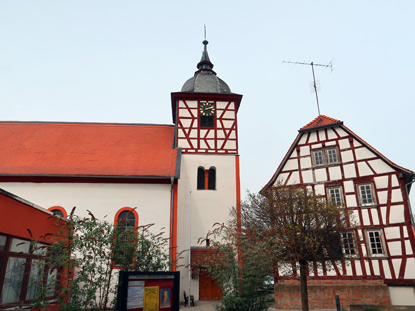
x: 148, y: 291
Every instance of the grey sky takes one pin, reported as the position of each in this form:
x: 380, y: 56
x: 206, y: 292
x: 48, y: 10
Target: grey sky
x: 118, y: 61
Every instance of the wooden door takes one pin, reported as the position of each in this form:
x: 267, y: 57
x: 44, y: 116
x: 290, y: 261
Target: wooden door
x: 208, y: 289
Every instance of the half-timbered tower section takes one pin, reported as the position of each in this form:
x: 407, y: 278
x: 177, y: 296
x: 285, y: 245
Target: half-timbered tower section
x: 205, y: 118
x: 379, y: 265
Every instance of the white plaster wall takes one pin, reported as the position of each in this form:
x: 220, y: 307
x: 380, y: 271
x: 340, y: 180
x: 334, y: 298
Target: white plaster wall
x: 198, y: 210
x: 402, y: 295
x: 152, y: 200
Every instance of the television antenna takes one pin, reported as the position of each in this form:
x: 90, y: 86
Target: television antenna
x: 315, y: 86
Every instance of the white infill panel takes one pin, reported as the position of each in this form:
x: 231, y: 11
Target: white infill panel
x: 351, y: 200
x: 193, y: 134
x: 355, y: 218
x: 365, y: 217
x: 383, y: 197
x: 180, y: 134
x: 183, y: 143
x: 307, y: 176
x: 304, y: 151
x: 316, y: 146
x: 291, y: 165
x: 395, y: 248
x: 408, y: 248
x: 282, y: 178
x: 184, y: 113
x: 375, y: 265
x: 367, y: 267
x: 349, y: 270
x: 313, y: 137
x: 322, y: 135
x: 396, y: 214
x: 186, y: 122
x: 303, y: 139
x: 358, y: 267
x: 331, y: 134
x: 356, y: 143
x: 211, y: 134
x: 392, y: 233
x: 383, y: 210
x: 381, y: 182
x: 347, y: 156
x: 375, y: 216
x: 335, y: 173
x: 321, y: 174
x: 348, y: 186
x: 320, y: 190
x: 229, y: 115
x: 386, y: 269
x: 396, y: 263
x: 230, y: 145
x: 220, y: 134
x: 395, y: 182
x: 396, y: 196
x: 294, y: 179
x: 364, y: 169
x: 344, y: 144
x: 349, y: 171
x: 380, y: 167
x: 341, y: 132
x: 410, y: 268
x: 305, y: 162
x: 363, y: 153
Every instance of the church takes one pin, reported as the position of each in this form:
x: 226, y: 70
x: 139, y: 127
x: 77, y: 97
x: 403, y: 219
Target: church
x: 183, y: 177
x: 379, y: 251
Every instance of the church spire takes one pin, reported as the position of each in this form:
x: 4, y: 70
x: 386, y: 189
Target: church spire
x: 205, y: 63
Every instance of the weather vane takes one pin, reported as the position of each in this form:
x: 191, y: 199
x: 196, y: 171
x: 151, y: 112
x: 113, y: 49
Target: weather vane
x: 205, y: 31
x: 329, y: 65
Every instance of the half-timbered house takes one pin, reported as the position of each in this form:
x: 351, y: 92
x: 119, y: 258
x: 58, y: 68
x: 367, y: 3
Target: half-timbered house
x: 379, y: 265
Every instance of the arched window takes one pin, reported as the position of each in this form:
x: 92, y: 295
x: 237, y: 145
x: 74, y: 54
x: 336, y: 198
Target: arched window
x: 201, y: 178
x: 58, y: 211
x: 206, y: 179
x: 126, y: 221
x: 126, y: 218
x: 212, y: 179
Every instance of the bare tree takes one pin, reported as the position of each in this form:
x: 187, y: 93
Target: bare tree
x: 304, y: 227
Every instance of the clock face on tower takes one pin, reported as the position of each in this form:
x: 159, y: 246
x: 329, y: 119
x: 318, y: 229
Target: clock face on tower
x: 207, y: 109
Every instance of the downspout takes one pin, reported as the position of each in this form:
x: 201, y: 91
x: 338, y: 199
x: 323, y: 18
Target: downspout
x: 190, y: 238
x: 171, y: 221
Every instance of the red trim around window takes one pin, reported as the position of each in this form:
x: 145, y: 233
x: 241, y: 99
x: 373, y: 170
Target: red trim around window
x: 59, y: 208
x: 126, y: 209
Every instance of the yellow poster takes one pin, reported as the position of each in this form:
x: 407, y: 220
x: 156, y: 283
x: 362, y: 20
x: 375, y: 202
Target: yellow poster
x: 151, y: 298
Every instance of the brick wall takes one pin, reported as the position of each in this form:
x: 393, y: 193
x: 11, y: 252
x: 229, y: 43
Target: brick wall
x: 321, y: 293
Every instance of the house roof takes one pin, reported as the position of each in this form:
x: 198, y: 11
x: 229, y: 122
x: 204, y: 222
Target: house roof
x: 326, y: 122
x: 88, y: 149
x: 320, y: 121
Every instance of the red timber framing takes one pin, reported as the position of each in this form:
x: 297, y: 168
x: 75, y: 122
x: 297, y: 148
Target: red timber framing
x: 365, y: 182
x: 192, y: 137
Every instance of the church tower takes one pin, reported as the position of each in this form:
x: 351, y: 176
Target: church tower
x: 205, y: 118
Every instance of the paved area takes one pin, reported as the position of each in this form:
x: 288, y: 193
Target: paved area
x: 211, y: 306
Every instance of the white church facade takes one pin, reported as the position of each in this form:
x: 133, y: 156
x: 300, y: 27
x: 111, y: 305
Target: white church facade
x: 183, y: 177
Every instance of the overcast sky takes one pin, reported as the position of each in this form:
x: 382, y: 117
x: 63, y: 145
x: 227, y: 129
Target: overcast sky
x: 118, y: 61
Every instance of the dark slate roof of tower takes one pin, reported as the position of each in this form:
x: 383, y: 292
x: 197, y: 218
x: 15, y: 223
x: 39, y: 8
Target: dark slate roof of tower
x: 205, y: 79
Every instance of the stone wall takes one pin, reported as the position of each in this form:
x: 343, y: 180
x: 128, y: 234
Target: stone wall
x: 321, y: 293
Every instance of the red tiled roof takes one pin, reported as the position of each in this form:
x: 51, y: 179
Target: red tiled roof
x: 87, y: 149
x: 321, y: 120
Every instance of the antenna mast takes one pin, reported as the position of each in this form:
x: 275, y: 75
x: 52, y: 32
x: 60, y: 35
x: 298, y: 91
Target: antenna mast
x: 329, y: 65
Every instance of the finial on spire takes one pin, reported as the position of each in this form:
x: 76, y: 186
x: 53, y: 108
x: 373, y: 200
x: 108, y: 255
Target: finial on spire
x: 205, y: 63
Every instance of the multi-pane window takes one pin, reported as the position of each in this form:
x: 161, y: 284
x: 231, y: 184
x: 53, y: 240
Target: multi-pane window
x: 335, y: 195
x: 318, y: 157
x: 22, y: 272
x: 332, y: 156
x: 349, y: 246
x: 326, y: 156
x: 375, y: 242
x: 366, y: 194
